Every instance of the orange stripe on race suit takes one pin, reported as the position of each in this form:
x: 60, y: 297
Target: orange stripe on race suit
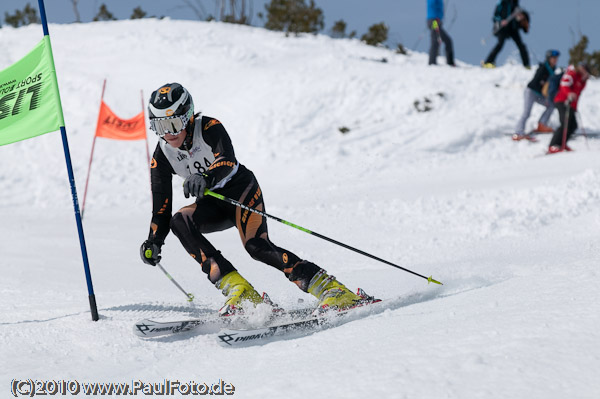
x: 211, y: 123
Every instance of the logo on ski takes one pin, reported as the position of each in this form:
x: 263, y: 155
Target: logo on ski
x: 228, y: 338
x: 143, y: 328
x: 225, y: 338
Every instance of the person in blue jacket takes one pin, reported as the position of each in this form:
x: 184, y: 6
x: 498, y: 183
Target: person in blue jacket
x: 435, y: 14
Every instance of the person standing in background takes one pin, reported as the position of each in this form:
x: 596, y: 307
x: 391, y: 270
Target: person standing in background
x: 571, y: 85
x: 533, y: 94
x: 507, y: 17
x: 435, y: 15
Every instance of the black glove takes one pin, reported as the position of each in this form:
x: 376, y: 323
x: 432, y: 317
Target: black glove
x: 150, y: 252
x: 195, y: 185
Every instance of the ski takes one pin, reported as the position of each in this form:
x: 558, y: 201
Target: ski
x: 240, y: 337
x: 237, y: 337
x: 210, y: 324
x: 527, y: 137
x: 575, y: 135
x: 149, y: 328
x: 296, y: 320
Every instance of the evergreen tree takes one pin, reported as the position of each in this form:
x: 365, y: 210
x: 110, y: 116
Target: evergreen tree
x: 577, y: 54
x: 377, y: 34
x: 294, y: 16
x: 138, y: 13
x: 339, y: 29
x: 21, y: 18
x: 104, y: 14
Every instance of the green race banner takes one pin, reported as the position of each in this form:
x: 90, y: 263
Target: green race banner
x: 29, y: 99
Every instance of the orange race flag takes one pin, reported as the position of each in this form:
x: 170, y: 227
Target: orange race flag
x: 110, y: 126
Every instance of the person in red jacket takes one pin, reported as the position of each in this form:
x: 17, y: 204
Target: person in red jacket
x: 566, y: 100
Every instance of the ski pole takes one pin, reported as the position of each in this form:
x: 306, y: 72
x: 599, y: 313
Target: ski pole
x: 415, y: 46
x: 239, y: 204
x: 578, y: 115
x: 188, y: 295
x: 567, y: 115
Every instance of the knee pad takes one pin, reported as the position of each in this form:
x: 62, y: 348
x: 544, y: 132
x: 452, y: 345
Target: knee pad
x: 178, y: 224
x: 265, y: 251
x: 256, y: 247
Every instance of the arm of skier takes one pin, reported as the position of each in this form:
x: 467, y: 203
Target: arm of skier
x: 498, y: 13
x: 539, y: 75
x: 161, y: 175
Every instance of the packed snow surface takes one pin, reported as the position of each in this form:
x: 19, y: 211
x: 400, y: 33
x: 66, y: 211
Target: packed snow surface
x: 512, y: 234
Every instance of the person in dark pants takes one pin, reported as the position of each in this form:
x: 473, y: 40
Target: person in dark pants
x: 566, y: 101
x: 199, y: 149
x: 507, y: 29
x: 435, y: 14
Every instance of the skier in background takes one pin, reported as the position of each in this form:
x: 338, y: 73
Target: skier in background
x: 198, y: 149
x: 435, y: 15
x: 507, y: 29
x: 566, y: 101
x: 533, y: 94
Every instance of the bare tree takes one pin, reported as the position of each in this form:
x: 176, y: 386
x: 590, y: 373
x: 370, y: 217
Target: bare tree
x: 235, y: 11
x: 76, y: 10
x: 238, y: 12
x: 197, y: 7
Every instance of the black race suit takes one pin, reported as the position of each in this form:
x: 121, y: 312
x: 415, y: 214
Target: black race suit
x: 208, y: 150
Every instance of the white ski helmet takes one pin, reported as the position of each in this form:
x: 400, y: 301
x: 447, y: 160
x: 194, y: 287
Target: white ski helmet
x: 170, y: 109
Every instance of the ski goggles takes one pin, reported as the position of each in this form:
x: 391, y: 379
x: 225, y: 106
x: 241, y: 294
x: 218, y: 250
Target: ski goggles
x: 172, y: 125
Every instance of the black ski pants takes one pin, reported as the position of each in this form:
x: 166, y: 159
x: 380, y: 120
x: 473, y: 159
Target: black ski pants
x: 504, y: 34
x: 563, y: 110
x: 437, y: 36
x: 208, y: 215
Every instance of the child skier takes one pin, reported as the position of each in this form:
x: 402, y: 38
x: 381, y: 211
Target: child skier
x: 198, y: 149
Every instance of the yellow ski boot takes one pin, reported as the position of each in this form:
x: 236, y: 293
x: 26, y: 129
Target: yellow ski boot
x: 237, y: 290
x: 332, y: 294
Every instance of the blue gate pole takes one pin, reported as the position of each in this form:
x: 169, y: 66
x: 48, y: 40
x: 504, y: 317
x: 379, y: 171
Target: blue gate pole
x: 63, y: 131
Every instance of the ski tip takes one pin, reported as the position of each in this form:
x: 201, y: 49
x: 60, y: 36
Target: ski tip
x: 431, y: 280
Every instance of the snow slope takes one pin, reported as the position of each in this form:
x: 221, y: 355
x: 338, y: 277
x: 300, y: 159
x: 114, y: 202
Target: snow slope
x: 512, y: 235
